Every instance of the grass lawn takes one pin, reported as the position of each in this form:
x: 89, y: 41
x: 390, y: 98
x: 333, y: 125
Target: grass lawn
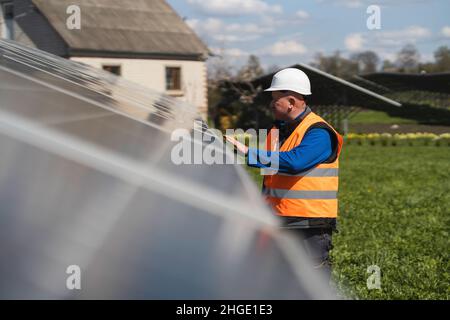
x: 394, y: 213
x: 370, y: 116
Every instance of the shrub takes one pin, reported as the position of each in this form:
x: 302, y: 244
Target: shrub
x: 398, y: 139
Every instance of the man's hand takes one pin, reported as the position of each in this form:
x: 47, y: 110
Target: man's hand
x: 242, y: 148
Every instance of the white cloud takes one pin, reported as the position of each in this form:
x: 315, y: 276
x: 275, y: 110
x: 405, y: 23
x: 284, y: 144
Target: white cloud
x: 236, y: 52
x: 410, y: 34
x: 285, y: 48
x: 398, y: 38
x: 387, y: 44
x: 272, y: 22
x: 446, y: 31
x: 354, y: 42
x: 209, y: 25
x: 218, y: 30
x: 212, y: 25
x: 386, y: 39
x: 235, y: 7
x: 346, y: 3
x: 234, y: 38
x: 249, y: 28
x: 302, y: 14
x: 231, y: 52
x: 352, y: 3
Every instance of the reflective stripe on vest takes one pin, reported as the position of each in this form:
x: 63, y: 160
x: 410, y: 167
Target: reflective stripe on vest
x: 315, y: 172
x: 296, y: 194
x: 311, y: 193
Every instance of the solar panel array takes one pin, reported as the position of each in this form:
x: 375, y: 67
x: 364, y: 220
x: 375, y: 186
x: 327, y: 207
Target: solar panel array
x: 86, y: 179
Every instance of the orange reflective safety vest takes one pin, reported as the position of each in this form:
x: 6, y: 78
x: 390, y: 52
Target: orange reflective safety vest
x: 311, y: 193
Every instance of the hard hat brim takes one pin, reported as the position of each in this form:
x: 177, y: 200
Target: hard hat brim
x: 306, y: 93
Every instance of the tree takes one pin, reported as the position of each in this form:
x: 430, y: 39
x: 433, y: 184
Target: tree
x: 232, y: 98
x: 219, y: 69
x: 442, y: 57
x: 388, y: 66
x: 273, y: 69
x: 248, y: 111
x: 327, y: 63
x: 367, y: 61
x: 336, y: 65
x: 408, y: 59
x: 251, y: 70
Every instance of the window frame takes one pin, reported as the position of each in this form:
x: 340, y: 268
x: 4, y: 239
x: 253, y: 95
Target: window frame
x: 177, y: 90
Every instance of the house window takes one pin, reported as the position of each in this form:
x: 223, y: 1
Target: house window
x: 173, y: 78
x: 8, y: 15
x: 113, y: 69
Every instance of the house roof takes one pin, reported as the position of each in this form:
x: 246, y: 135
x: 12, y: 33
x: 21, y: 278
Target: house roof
x: 138, y: 27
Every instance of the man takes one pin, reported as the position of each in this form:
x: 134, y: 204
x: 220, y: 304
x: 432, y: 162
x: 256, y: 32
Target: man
x: 303, y: 191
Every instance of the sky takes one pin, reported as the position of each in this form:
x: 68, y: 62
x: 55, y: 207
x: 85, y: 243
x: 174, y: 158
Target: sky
x: 282, y: 33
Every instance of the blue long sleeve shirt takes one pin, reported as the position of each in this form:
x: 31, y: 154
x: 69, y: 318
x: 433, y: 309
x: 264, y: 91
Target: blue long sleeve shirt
x: 315, y: 148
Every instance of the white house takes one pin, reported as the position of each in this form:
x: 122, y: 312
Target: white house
x: 144, y: 41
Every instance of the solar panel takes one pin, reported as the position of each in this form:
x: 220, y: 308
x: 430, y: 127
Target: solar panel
x: 86, y: 179
x: 434, y: 82
x: 327, y: 90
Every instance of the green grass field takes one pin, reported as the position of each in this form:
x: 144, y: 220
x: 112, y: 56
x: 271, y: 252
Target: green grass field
x: 394, y: 213
x: 408, y: 119
x: 371, y: 116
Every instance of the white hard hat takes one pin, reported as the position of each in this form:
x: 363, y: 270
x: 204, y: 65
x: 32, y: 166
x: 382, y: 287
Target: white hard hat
x: 291, y: 79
